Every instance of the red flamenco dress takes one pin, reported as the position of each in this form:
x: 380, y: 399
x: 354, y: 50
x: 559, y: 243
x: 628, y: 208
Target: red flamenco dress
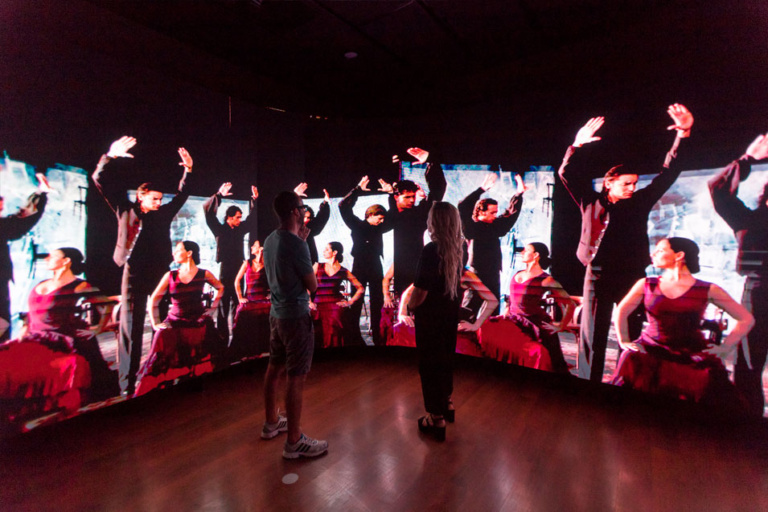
x: 250, y: 333
x: 333, y: 322
x: 671, y: 361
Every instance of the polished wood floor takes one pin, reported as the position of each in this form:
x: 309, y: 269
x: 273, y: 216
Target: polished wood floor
x: 523, y: 440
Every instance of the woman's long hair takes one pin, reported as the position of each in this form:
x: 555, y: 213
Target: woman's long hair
x: 444, y: 226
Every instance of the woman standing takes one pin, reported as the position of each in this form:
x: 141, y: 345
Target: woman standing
x: 434, y: 303
x: 671, y: 356
x: 250, y: 333
x: 526, y: 291
x: 334, y: 327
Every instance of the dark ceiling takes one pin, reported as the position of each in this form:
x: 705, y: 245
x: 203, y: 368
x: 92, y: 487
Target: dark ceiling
x: 412, y: 55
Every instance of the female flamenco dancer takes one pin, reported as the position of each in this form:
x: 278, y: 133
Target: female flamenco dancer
x: 54, y: 320
x: 185, y: 286
x: 434, y: 302
x: 250, y: 333
x: 333, y: 327
x: 526, y: 290
x: 671, y: 356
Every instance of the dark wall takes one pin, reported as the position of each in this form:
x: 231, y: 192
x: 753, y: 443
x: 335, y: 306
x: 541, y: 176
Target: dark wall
x: 76, y: 77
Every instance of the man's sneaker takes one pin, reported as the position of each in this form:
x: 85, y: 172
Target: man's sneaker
x: 270, y: 430
x: 305, y: 447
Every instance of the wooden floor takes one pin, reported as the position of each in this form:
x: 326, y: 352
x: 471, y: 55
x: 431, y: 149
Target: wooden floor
x: 523, y: 440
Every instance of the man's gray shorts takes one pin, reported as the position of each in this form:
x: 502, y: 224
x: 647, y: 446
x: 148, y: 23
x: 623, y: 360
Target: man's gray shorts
x: 292, y: 343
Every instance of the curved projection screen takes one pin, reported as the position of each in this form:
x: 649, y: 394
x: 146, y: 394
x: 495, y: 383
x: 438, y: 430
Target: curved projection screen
x: 44, y: 380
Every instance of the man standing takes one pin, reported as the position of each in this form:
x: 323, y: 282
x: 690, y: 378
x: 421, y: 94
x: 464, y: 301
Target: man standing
x: 143, y: 249
x: 751, y: 230
x: 291, y: 279
x: 409, y: 219
x: 614, y: 243
x: 13, y: 227
x: 367, y: 249
x: 483, y: 229
x: 229, y: 247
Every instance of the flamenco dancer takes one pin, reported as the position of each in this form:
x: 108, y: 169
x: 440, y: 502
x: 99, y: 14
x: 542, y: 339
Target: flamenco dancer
x: 483, y: 226
x: 250, y: 331
x: 54, y: 319
x: 751, y: 230
x: 185, y: 286
x: 671, y: 354
x: 614, y: 239
x: 334, y: 327
x: 143, y: 240
x: 229, y: 247
x: 409, y: 220
x: 527, y: 289
x: 367, y: 251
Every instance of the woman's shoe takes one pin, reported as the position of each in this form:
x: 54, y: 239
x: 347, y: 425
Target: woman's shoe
x: 450, y: 414
x: 428, y: 427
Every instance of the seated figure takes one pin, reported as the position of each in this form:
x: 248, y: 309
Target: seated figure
x: 672, y: 357
x: 250, y: 333
x: 186, y: 339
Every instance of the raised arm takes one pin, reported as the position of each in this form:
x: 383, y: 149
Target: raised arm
x: 317, y: 224
x: 724, y: 187
x: 683, y: 121
x: 506, y: 220
x: 250, y: 222
x: 744, y: 323
x: 471, y: 281
x: 571, y: 171
x: 173, y: 207
x: 19, y: 224
x: 625, y: 308
x: 347, y: 204
x: 118, y: 149
x: 211, y: 208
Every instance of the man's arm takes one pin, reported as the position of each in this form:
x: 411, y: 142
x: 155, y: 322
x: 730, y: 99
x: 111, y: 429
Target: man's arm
x: 118, y: 149
x: 211, y: 208
x: 19, y: 224
x: 436, y: 182
x: 348, y: 203
x: 317, y: 224
x: 504, y: 222
x: 466, y: 208
x: 724, y: 187
x: 173, y: 207
x: 250, y: 222
x: 577, y: 183
x: 683, y: 121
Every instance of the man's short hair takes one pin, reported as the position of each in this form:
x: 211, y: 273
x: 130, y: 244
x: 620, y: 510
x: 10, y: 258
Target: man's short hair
x: 482, y: 205
x: 375, y: 209
x: 285, y: 202
x: 232, y: 211
x: 405, y: 186
x: 145, y: 187
x: 616, y: 171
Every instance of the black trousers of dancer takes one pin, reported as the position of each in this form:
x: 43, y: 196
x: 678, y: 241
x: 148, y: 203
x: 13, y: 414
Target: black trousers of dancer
x: 135, y: 289
x: 750, y: 381
x: 603, y: 289
x: 436, y: 346
x: 228, y: 303
x: 370, y: 275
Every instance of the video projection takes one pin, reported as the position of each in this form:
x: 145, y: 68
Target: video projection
x: 45, y: 380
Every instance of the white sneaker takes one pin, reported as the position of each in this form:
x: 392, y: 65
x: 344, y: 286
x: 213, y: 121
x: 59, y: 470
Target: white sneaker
x: 269, y: 431
x: 305, y: 447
